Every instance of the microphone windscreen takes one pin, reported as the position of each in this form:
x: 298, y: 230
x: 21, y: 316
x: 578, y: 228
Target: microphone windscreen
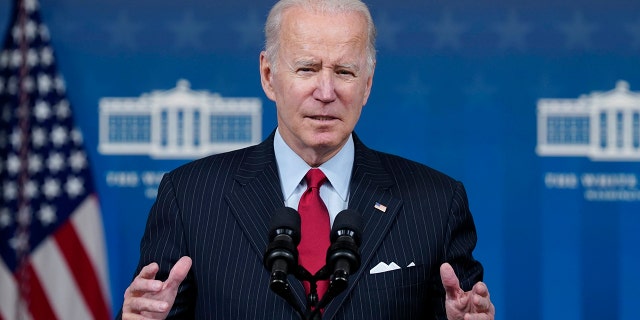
x: 285, y: 218
x: 350, y: 220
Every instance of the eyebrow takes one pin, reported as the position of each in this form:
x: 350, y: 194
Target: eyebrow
x: 312, y: 63
x: 305, y: 63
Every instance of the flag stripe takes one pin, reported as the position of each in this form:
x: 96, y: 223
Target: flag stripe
x: 58, y: 282
x: 39, y: 305
x: 88, y: 226
x: 8, y: 294
x: 82, y: 270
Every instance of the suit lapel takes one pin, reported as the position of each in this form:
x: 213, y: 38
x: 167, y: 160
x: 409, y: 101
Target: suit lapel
x: 254, y: 199
x: 370, y: 184
x: 256, y: 195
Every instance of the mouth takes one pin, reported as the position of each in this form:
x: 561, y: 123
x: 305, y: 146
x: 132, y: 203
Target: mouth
x: 322, y: 118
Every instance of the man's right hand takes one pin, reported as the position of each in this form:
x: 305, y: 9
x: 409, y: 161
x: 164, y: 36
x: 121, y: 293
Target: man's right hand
x: 147, y: 298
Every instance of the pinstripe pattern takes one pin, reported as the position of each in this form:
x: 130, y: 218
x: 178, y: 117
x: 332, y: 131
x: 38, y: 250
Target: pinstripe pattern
x: 217, y: 211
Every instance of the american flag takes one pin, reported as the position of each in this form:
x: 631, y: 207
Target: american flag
x: 53, y: 262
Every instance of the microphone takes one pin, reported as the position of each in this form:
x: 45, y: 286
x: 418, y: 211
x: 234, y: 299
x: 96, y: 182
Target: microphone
x: 281, y: 254
x: 343, y: 256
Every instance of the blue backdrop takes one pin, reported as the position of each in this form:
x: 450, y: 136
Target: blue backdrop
x: 456, y: 87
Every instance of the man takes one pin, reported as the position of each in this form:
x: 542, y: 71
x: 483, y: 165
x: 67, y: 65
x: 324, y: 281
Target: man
x: 201, y: 254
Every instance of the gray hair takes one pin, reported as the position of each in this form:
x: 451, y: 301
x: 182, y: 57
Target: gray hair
x: 274, y: 23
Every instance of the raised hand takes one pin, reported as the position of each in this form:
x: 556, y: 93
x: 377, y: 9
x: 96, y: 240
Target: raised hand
x: 460, y: 305
x: 147, y: 298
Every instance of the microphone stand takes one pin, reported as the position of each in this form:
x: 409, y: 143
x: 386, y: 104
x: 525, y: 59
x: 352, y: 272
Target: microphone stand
x: 280, y: 285
x: 337, y: 284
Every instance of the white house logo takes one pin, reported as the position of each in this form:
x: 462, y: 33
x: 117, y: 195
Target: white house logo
x: 178, y: 123
x: 604, y: 126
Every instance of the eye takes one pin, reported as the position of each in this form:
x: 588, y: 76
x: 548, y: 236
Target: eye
x: 305, y: 72
x: 346, y: 73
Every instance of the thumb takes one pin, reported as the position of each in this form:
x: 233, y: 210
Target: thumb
x: 178, y: 272
x: 450, y: 281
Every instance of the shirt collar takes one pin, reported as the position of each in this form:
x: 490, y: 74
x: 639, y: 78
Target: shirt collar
x: 292, y: 168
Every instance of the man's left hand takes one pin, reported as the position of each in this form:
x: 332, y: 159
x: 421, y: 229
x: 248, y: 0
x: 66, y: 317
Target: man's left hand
x: 460, y: 305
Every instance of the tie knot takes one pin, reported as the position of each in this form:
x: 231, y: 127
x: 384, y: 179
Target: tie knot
x: 315, y: 178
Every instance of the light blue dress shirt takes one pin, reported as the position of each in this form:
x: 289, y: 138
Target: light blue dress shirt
x: 292, y: 170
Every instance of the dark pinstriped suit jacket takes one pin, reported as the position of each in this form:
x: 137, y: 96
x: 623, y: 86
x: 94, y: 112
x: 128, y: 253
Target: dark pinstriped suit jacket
x: 217, y: 210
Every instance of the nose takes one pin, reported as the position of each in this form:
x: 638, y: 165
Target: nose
x: 325, y: 89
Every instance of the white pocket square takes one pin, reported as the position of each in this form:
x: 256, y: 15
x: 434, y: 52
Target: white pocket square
x: 383, y: 267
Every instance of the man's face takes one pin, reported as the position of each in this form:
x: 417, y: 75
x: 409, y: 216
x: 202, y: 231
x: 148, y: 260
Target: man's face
x: 321, y: 81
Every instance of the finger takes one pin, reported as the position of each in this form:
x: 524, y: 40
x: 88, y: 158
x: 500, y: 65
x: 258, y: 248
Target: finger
x: 149, y: 271
x: 481, y: 304
x: 481, y: 289
x: 450, y: 281
x: 141, y: 286
x: 144, y: 281
x: 178, y: 272
x: 141, y: 304
x: 481, y: 297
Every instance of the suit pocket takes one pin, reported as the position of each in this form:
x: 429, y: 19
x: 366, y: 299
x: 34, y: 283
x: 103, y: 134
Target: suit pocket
x: 399, y: 278
x: 397, y: 294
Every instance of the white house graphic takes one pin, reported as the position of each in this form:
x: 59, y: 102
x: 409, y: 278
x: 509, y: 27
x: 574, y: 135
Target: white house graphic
x: 178, y: 123
x: 604, y: 126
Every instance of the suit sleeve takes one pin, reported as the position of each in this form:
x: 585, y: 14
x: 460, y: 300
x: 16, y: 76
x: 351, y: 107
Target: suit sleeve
x: 164, y: 242
x: 460, y: 241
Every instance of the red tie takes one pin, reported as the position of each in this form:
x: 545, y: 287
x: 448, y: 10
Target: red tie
x: 315, y: 228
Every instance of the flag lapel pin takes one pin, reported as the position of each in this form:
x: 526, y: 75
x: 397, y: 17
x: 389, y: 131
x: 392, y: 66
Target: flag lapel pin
x: 380, y: 207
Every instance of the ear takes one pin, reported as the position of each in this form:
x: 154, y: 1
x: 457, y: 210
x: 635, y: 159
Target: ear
x: 266, y: 76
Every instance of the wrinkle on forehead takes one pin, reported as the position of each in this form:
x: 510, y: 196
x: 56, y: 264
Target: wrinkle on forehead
x: 340, y: 47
